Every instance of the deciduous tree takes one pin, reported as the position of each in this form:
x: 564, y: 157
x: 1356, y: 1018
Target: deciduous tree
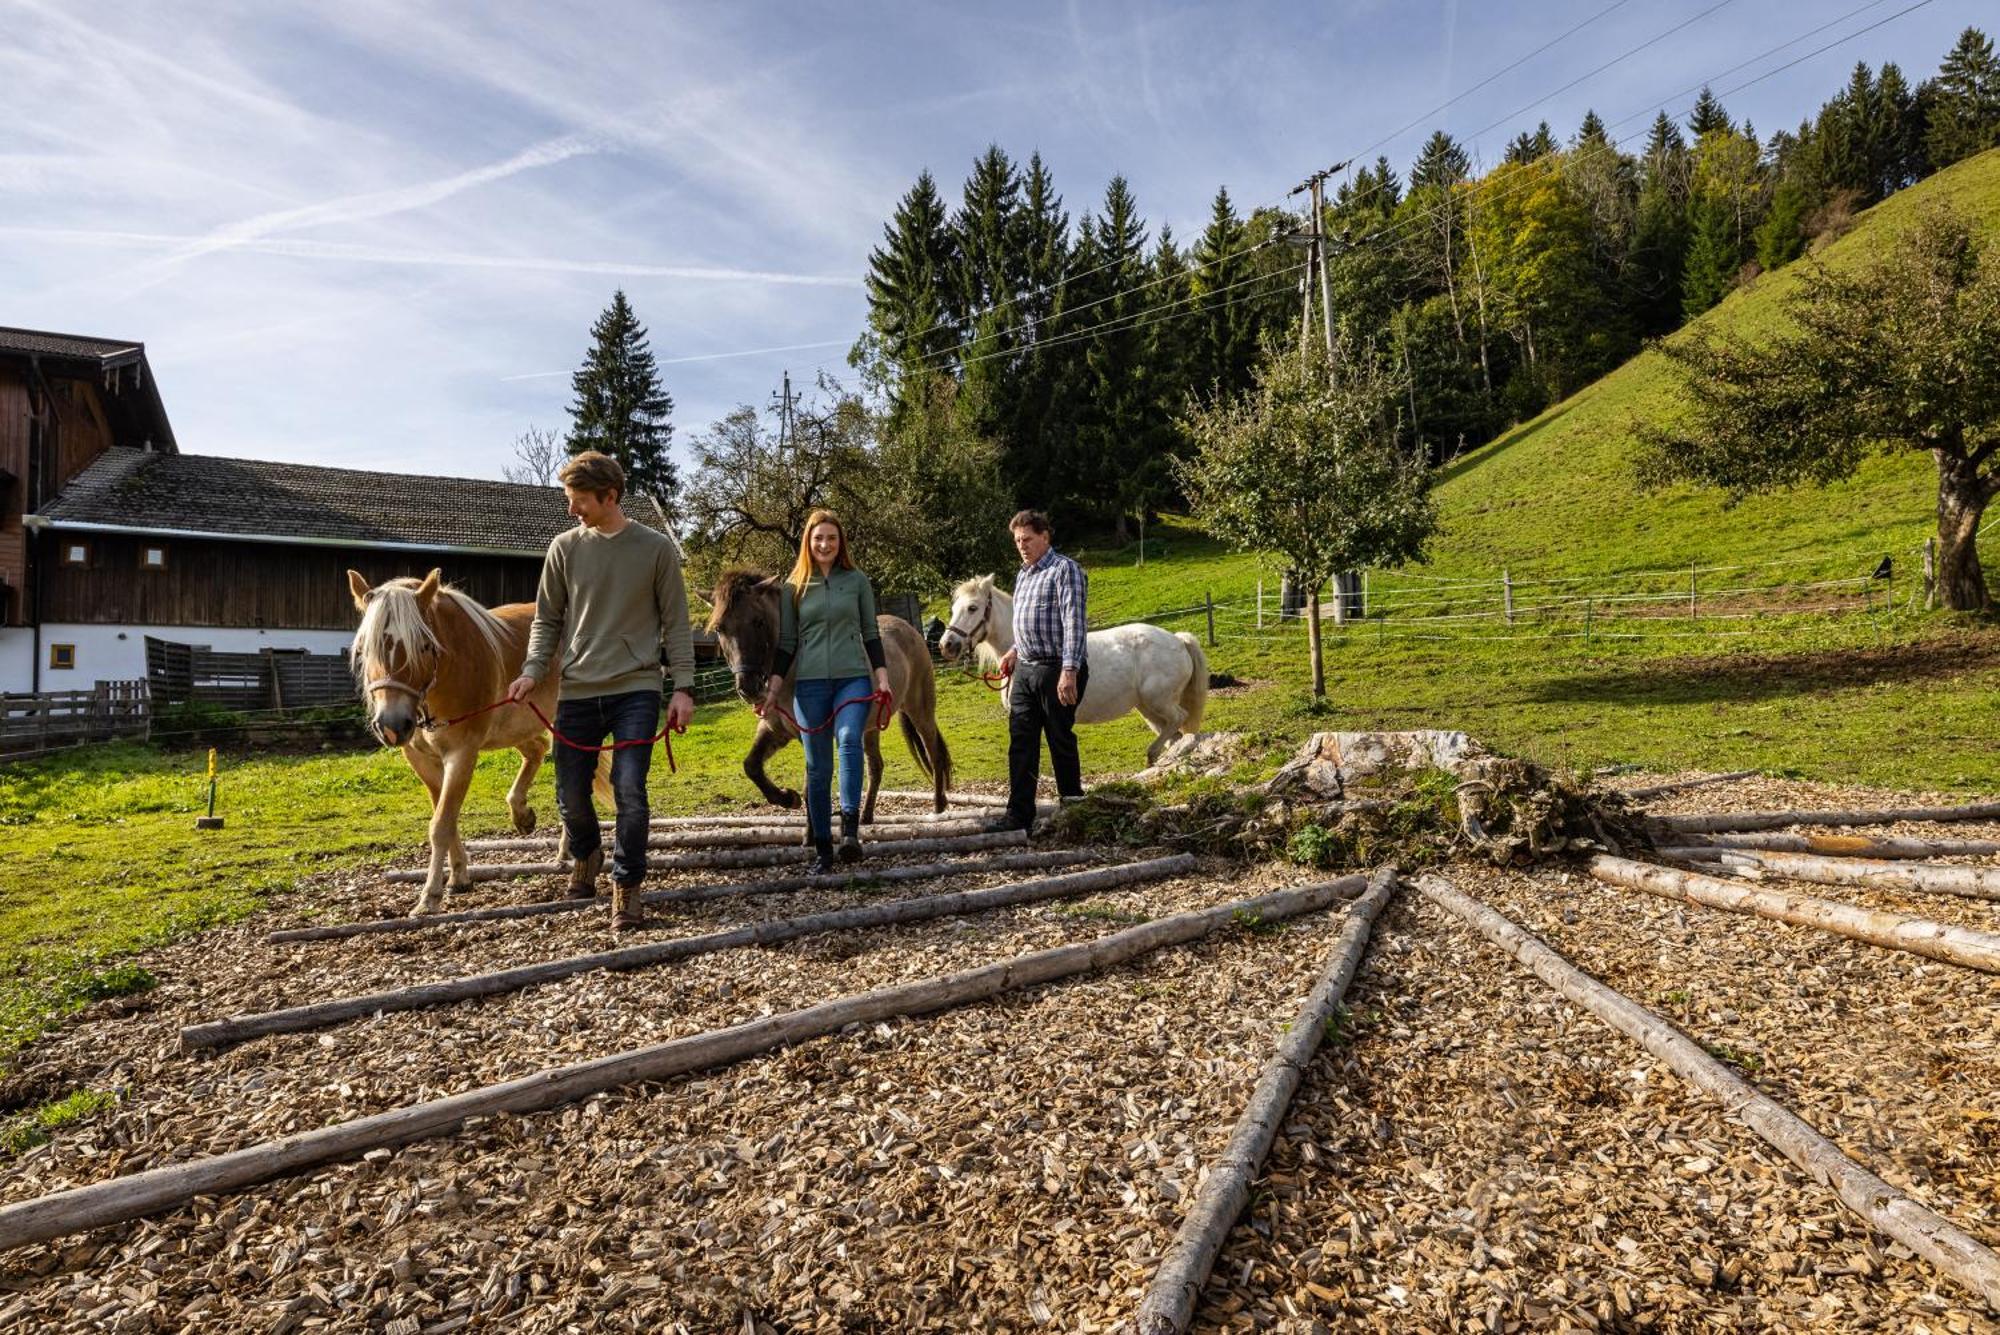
x: 1900, y: 354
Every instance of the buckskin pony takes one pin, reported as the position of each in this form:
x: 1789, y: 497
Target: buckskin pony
x: 745, y: 622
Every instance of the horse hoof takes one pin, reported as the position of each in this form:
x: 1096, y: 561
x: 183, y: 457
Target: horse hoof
x: 787, y: 799
x: 427, y: 905
x: 459, y: 889
x: 524, y: 821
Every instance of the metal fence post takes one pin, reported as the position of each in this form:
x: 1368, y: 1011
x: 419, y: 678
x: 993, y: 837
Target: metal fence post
x: 1208, y: 597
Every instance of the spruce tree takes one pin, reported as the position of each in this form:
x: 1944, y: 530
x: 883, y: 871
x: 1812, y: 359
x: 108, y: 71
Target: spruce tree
x: 1712, y: 258
x: 1964, y: 103
x: 1440, y: 162
x: 912, y: 285
x: 1708, y: 115
x: 1225, y: 344
x: 1114, y: 405
x: 1039, y: 426
x: 621, y: 408
x: 991, y: 272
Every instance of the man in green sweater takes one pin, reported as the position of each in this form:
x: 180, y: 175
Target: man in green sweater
x: 613, y: 601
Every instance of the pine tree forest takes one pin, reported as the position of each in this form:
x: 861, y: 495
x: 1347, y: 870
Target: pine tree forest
x: 1075, y: 332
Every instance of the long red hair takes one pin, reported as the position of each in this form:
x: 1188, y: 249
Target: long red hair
x: 805, y: 567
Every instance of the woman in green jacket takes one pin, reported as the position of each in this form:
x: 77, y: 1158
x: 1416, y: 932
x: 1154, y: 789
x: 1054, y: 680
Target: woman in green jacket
x: 828, y: 636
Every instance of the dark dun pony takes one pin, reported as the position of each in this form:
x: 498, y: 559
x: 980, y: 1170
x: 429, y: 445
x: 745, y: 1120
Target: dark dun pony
x: 745, y: 621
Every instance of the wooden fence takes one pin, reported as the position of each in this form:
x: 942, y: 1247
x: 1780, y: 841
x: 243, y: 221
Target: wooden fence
x: 265, y: 679
x: 50, y: 720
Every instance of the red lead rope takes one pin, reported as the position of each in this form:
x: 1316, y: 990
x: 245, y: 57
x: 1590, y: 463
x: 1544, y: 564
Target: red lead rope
x: 996, y: 681
x: 885, y: 699
x: 661, y: 736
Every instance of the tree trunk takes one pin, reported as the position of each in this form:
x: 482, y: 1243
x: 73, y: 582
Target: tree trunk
x: 756, y: 836
x: 1317, y: 642
x: 1891, y: 931
x: 1962, y: 498
x: 1170, y: 1299
x: 1677, y: 785
x: 114, y: 1200
x: 1952, y: 1250
x: 320, y: 1014
x: 693, y: 894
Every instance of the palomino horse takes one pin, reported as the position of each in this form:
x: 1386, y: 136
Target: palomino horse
x: 745, y: 622
x: 426, y: 652
x: 1161, y: 674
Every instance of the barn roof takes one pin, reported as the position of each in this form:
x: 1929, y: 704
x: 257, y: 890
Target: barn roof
x: 133, y: 402
x: 258, y: 500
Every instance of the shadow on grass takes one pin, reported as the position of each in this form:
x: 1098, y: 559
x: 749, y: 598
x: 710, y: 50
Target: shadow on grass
x: 1739, y: 677
x: 1485, y: 454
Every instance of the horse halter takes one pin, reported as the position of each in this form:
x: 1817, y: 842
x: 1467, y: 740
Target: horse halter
x: 978, y: 633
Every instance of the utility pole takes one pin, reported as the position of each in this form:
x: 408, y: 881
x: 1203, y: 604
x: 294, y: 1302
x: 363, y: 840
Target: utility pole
x: 785, y: 400
x: 1316, y: 243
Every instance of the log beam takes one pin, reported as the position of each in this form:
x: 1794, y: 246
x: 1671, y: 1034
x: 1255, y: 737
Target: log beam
x: 1970, y: 882
x: 755, y: 836
x: 1955, y: 1253
x: 1777, y: 820
x: 135, y: 1195
x: 696, y: 859
x: 1055, y: 857
x: 1170, y: 1299
x: 1855, y: 845
x: 771, y: 931
x: 1891, y: 931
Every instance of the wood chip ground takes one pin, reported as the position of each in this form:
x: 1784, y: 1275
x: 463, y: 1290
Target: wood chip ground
x: 1469, y: 1154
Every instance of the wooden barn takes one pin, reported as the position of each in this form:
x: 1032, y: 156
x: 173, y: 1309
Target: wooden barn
x: 111, y: 536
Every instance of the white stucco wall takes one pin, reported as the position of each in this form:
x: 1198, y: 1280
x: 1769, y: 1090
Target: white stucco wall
x: 118, y: 653
x: 17, y: 658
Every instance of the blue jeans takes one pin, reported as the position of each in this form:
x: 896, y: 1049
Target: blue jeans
x: 812, y: 701
x: 624, y: 717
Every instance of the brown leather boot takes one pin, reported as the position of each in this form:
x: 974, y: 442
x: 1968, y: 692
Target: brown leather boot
x: 627, y: 913
x: 583, y: 875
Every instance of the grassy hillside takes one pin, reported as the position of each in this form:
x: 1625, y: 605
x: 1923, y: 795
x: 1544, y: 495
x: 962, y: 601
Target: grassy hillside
x: 1555, y: 495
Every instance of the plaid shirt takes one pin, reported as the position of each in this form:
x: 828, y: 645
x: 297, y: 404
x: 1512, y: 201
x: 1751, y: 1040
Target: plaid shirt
x: 1048, y: 610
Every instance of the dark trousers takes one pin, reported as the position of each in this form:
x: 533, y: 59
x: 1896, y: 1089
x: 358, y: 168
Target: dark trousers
x: 625, y: 717
x: 1035, y: 713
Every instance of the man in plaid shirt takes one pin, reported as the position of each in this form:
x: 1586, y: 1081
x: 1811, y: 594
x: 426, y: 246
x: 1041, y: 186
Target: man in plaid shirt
x: 1049, y: 667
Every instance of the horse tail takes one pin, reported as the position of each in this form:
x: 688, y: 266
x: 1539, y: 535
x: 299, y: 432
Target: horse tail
x: 1194, y: 695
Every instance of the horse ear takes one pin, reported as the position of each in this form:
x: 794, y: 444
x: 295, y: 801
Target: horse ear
x: 428, y: 590
x: 359, y: 588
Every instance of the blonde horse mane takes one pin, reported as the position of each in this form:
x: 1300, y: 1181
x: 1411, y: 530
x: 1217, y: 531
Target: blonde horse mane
x: 393, y: 617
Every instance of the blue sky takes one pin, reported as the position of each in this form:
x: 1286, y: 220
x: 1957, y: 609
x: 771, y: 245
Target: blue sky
x: 374, y: 233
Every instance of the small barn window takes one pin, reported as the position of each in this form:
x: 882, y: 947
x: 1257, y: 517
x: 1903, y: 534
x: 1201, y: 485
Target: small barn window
x: 152, y: 556
x: 75, y: 553
x: 62, y: 656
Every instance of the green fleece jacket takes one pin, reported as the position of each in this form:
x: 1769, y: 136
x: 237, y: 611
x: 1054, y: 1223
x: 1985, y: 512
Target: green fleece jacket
x: 831, y: 632
x: 612, y: 604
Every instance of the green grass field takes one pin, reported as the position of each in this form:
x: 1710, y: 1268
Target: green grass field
x: 102, y: 858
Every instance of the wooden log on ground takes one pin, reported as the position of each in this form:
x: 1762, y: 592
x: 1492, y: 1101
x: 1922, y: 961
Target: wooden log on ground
x: 951, y: 799
x: 1037, y: 861
x: 1969, y: 882
x: 1954, y: 1252
x: 1892, y: 931
x: 320, y: 1014
x: 1732, y: 821
x: 1681, y: 785
x: 1855, y: 845
x: 130, y: 1197
x: 795, y: 820
x: 755, y: 836
x: 696, y: 859
x: 1170, y: 1299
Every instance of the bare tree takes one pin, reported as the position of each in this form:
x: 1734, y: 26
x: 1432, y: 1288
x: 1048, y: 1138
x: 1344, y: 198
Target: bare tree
x: 538, y: 454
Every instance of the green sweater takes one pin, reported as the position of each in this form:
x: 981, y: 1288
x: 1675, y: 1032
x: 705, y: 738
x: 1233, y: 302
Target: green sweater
x: 611, y: 604
x: 831, y: 632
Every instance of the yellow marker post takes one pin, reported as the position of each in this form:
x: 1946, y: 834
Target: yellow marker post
x: 211, y: 821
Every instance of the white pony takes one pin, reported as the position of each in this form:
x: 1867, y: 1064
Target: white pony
x: 1157, y: 672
